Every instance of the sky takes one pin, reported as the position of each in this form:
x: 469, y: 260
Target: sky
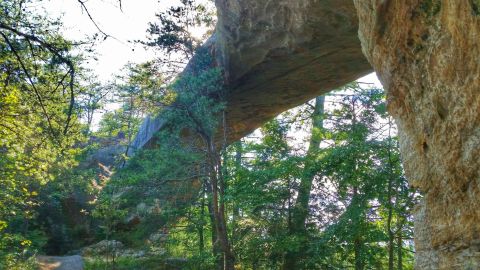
x: 124, y: 25
x: 128, y: 24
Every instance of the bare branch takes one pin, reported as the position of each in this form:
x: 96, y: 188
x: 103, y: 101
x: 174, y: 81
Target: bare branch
x: 84, y: 7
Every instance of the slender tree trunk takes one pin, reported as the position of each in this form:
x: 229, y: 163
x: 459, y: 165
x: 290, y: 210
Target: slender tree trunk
x: 130, y: 131
x: 236, y: 209
x: 357, y: 242
x: 215, y: 244
x: 218, y: 188
x: 90, y: 112
x: 399, y: 251
x: 359, y: 265
x: 300, y: 208
x: 201, y: 234
x: 391, y: 236
x: 359, y: 219
x: 391, y: 240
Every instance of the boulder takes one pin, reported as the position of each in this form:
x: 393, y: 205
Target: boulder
x: 103, y: 247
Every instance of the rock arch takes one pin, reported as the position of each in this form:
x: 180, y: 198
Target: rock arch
x: 280, y: 53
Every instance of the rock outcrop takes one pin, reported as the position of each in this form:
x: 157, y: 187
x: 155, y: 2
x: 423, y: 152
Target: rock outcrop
x: 146, y: 132
x: 107, y: 248
x: 426, y: 55
x: 103, y: 247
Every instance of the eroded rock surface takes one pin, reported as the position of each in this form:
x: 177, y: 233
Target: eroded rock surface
x: 426, y: 55
x: 277, y: 55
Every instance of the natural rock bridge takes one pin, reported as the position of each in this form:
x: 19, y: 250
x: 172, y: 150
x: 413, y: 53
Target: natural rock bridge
x: 277, y: 54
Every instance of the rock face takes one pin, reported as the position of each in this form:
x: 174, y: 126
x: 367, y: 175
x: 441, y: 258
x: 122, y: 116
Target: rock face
x: 149, y: 127
x: 277, y: 55
x: 426, y: 55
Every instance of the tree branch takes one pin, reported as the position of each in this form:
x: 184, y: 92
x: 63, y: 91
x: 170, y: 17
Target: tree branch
x: 84, y: 7
x: 57, y: 53
x: 39, y: 97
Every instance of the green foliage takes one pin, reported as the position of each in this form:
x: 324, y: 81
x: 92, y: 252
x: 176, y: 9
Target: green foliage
x: 140, y: 92
x: 431, y: 7
x: 358, y: 185
x: 173, y: 31
x: 194, y: 108
x: 351, y: 180
x: 476, y: 7
x: 92, y: 98
x: 39, y: 123
x: 128, y: 263
x: 118, y: 122
x: 168, y: 176
x: 350, y: 198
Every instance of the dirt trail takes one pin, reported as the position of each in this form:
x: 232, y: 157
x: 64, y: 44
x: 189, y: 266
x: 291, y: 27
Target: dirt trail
x: 60, y: 263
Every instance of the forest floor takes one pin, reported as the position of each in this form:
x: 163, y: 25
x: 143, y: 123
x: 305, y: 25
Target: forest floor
x: 60, y: 263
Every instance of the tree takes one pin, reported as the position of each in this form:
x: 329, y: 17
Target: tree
x: 300, y: 210
x: 92, y: 97
x: 346, y: 217
x: 174, y: 33
x: 28, y: 40
x: 38, y: 119
x: 398, y: 201
x: 365, y: 170
x: 141, y: 91
x: 187, y: 148
x: 199, y: 104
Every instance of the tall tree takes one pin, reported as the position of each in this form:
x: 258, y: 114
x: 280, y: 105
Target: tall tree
x: 300, y: 210
x: 92, y: 98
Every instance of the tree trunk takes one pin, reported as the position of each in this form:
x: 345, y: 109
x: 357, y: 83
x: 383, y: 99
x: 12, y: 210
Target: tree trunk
x: 236, y: 209
x: 129, y: 130
x: 300, y: 212
x: 217, y: 186
x: 300, y: 208
x: 357, y: 242
x: 426, y: 56
x: 357, y: 249
x: 215, y: 244
x: 201, y: 234
x: 399, y: 251
x: 391, y: 236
